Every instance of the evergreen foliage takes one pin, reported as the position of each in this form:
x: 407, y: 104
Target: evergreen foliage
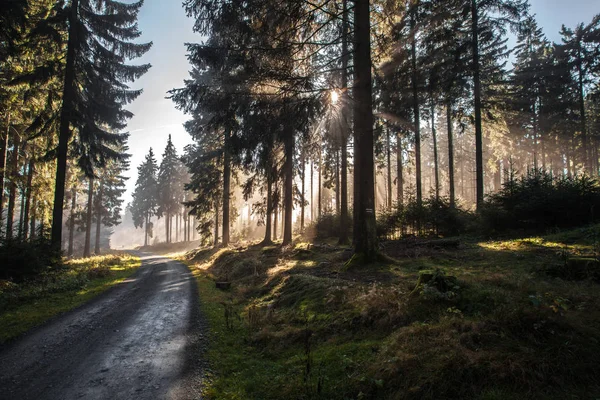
x: 144, y: 204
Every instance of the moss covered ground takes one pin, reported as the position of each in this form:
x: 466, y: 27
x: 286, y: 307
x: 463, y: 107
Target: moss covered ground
x: 498, y: 320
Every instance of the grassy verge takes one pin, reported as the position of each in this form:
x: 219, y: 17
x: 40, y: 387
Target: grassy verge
x: 29, y: 304
x: 496, y: 320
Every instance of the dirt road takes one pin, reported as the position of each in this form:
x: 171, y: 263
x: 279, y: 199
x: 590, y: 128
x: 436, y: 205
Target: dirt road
x: 133, y: 342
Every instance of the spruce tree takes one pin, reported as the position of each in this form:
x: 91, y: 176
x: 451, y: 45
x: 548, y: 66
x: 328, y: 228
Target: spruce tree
x: 489, y: 22
x: 145, y: 196
x: 580, y: 48
x: 100, y: 41
x: 168, y: 176
x: 109, y: 197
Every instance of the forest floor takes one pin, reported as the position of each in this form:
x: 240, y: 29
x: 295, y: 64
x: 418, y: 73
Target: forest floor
x: 33, y: 302
x: 453, y: 319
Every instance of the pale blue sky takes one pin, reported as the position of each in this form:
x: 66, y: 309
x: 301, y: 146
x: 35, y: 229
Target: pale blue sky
x: 164, y: 22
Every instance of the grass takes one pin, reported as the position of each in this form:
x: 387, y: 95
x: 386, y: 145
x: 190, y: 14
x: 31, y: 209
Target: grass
x: 497, y: 323
x: 30, y: 304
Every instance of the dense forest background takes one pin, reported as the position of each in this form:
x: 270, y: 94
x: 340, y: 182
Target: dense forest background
x: 297, y: 110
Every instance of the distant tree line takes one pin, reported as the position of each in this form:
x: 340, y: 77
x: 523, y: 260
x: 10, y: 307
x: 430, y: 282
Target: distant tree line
x: 159, y: 192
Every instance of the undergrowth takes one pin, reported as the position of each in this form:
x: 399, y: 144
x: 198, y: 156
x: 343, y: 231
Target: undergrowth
x: 27, y: 304
x: 484, y: 320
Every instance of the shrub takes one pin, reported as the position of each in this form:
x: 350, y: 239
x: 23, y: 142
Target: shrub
x: 538, y: 201
x: 432, y: 217
x: 328, y: 225
x: 25, y: 259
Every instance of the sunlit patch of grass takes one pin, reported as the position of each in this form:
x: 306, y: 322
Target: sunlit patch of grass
x: 30, y: 304
x: 535, y: 243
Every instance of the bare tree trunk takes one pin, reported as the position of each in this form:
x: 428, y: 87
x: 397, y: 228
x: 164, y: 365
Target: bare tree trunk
x: 30, y: 172
x: 33, y: 217
x: 275, y: 221
x: 366, y: 235
x: 216, y: 223
x: 177, y: 226
x: 302, y: 191
x: 343, y: 234
x: 267, y: 240
x: 72, y: 221
x: 12, y: 195
x: 167, y: 227
x: 389, y: 168
x: 399, y: 170
x: 436, y: 165
x: 88, y: 223
x: 226, y: 187
x: 146, y: 232
x: 99, y: 218
x: 194, y: 231
x: 289, y: 188
x: 319, y: 189
x: 312, y: 186
x: 3, y: 157
x: 64, y: 130
x: 337, y: 183
x: 21, y: 214
x: 450, y: 155
x: 416, y: 107
x: 477, y: 95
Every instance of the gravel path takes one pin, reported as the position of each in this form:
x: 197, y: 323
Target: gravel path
x: 136, y: 341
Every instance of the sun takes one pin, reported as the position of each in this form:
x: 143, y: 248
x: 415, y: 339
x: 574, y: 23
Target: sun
x: 334, y: 96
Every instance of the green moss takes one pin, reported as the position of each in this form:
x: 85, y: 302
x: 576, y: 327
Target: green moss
x: 305, y: 329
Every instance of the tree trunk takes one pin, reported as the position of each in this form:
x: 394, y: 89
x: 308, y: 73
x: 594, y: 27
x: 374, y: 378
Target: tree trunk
x: 366, y: 235
x: 416, y: 108
x: 583, y: 126
x: 12, y: 195
x: 389, y: 168
x: 289, y: 188
x: 167, y: 227
x: 88, y: 223
x: 99, y: 218
x: 436, y: 165
x: 337, y: 183
x: 3, y: 156
x: 72, y: 221
x: 477, y: 95
x: 176, y: 227
x: 21, y: 214
x: 275, y: 219
x: 30, y: 172
x: 33, y: 216
x: 216, y: 223
x: 343, y: 234
x: 399, y: 170
x: 302, y: 192
x: 226, y: 187
x: 319, y: 189
x: 312, y: 196
x: 450, y: 155
x: 268, y: 220
x: 146, y: 232
x: 64, y: 130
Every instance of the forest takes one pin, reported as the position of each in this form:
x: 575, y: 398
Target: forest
x: 381, y: 199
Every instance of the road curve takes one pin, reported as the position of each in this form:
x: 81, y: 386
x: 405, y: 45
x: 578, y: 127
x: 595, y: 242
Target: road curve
x: 129, y: 343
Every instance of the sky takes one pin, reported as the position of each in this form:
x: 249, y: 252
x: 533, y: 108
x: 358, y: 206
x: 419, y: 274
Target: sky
x: 165, y: 24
